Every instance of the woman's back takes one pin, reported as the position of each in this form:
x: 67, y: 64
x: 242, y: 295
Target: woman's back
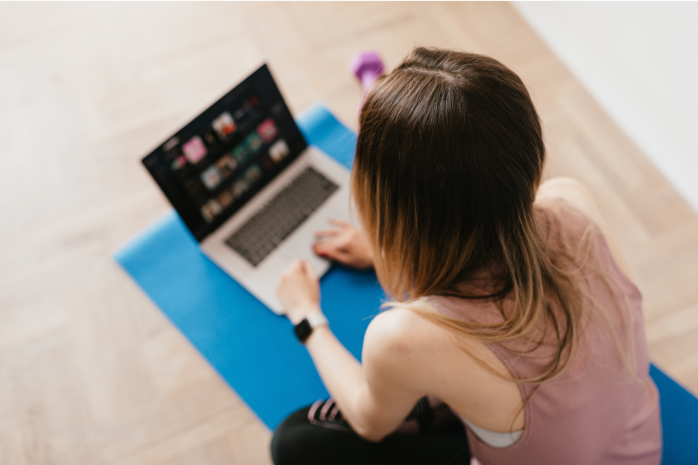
x: 529, y: 330
x: 598, y: 410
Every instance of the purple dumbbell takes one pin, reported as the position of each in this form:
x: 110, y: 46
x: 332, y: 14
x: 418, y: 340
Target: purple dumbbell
x: 367, y: 66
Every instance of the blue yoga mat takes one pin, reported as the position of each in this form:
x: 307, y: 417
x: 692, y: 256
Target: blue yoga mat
x: 255, y: 350
x: 679, y: 418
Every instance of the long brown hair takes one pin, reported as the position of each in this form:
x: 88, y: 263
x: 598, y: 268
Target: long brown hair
x: 449, y: 157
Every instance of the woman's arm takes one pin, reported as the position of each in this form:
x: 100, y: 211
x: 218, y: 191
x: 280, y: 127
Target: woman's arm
x: 580, y: 196
x: 374, y: 398
x: 369, y: 396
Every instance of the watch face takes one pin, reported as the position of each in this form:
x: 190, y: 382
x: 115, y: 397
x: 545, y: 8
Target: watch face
x: 303, y: 330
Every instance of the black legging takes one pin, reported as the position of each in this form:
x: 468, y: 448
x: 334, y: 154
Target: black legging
x: 423, y: 439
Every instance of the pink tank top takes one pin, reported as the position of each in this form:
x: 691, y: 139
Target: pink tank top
x: 596, y: 412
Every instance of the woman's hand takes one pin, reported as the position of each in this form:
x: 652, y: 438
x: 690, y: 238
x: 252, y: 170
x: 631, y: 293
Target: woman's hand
x: 345, y: 244
x: 299, y: 291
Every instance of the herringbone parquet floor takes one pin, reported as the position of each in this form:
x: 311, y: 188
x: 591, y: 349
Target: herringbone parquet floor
x: 90, y: 371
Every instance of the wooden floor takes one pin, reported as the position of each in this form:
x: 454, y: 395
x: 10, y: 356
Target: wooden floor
x: 90, y: 371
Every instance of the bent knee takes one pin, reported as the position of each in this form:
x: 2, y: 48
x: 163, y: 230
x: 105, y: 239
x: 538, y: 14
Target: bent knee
x: 292, y: 442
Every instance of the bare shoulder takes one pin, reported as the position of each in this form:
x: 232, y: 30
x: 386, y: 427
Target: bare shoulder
x: 406, y: 351
x: 400, y: 347
x: 572, y: 191
x: 393, y: 330
x: 401, y: 334
x: 580, y: 196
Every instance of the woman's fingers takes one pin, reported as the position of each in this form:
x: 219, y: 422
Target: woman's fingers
x: 335, y: 254
x: 340, y: 223
x: 341, y: 226
x: 327, y: 246
x: 298, y: 271
x: 325, y: 251
x: 309, y: 271
x: 294, y: 267
x: 326, y: 233
x: 345, y: 244
x: 298, y: 290
x: 338, y: 250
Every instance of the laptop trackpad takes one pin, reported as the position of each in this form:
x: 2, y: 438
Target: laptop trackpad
x: 280, y: 218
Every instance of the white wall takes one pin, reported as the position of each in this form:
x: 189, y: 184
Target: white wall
x: 640, y: 62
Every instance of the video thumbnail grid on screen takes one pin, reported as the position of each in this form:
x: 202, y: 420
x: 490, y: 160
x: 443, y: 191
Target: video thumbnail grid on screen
x: 229, y: 157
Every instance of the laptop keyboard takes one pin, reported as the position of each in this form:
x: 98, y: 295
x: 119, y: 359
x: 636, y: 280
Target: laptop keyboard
x: 281, y: 216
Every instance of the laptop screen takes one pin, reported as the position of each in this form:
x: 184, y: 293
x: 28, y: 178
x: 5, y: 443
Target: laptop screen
x: 212, y: 166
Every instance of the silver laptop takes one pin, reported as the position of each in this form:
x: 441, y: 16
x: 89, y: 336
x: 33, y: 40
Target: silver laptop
x: 248, y: 187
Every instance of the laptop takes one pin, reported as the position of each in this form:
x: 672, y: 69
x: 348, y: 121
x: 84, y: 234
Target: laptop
x: 249, y: 188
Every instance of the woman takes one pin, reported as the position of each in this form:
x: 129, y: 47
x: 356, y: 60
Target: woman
x: 512, y: 312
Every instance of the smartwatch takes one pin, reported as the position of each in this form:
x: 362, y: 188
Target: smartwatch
x: 305, y: 328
